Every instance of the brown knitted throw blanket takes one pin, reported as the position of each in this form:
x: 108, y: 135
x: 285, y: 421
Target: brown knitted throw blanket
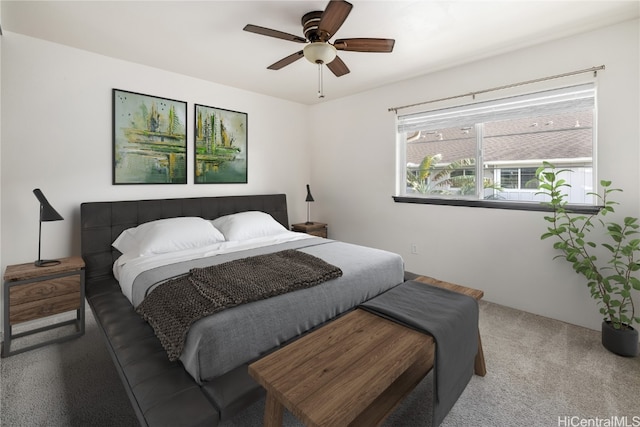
x: 175, y: 305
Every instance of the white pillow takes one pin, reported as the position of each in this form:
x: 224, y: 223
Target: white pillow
x: 126, y: 242
x: 248, y: 225
x: 168, y: 235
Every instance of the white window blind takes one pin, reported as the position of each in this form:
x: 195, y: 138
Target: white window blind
x: 572, y: 98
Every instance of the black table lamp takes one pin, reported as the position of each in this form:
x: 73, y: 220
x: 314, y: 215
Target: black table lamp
x: 47, y: 213
x: 309, y: 199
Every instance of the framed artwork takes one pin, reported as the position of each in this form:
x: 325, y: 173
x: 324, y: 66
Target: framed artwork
x: 149, y: 139
x: 220, y: 146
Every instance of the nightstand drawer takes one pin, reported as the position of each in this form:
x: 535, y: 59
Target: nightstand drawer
x: 29, y: 292
x: 42, y: 308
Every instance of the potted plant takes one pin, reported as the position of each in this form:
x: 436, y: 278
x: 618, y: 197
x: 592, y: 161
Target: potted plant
x: 610, y: 280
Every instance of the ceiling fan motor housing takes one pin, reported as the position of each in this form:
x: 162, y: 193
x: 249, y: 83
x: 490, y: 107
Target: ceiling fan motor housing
x: 310, y: 25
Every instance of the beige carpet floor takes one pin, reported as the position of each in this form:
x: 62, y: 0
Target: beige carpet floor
x: 541, y: 372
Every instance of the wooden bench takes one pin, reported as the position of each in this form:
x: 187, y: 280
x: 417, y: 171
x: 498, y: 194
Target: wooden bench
x: 353, y: 371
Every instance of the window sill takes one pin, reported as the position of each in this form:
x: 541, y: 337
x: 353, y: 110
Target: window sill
x: 492, y: 204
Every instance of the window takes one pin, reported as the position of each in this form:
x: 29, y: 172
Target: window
x: 509, y: 178
x: 518, y: 178
x: 491, y: 150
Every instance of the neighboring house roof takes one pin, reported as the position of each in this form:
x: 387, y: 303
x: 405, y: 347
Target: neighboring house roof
x: 568, y: 135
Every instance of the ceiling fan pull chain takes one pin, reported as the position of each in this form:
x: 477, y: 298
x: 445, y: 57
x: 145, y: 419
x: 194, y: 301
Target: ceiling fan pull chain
x: 320, y: 88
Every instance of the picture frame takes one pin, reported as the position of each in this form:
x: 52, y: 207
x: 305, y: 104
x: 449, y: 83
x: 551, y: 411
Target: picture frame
x: 220, y: 146
x: 149, y: 139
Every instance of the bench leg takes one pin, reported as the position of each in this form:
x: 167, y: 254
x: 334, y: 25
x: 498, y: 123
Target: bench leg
x: 479, y: 366
x: 273, y: 412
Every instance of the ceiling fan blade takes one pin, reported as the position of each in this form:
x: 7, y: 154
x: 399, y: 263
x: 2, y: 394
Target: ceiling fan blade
x: 274, y: 33
x: 365, y: 45
x: 338, y: 67
x: 333, y: 17
x: 286, y: 61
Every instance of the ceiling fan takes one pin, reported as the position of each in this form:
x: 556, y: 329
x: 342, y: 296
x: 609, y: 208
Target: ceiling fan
x: 319, y: 27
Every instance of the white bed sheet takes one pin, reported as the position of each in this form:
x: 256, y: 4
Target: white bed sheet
x: 128, y: 267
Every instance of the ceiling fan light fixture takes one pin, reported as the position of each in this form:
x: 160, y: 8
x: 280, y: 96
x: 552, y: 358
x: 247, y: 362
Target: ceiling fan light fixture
x: 319, y: 53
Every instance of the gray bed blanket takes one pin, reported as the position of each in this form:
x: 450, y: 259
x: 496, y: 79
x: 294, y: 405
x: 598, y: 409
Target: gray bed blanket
x: 175, y: 305
x: 222, y: 342
x: 452, y: 319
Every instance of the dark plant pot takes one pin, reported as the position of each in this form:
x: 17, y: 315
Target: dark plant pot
x: 623, y: 342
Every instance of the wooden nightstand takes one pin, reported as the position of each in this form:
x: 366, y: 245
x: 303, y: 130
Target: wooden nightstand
x: 315, y: 228
x: 32, y: 292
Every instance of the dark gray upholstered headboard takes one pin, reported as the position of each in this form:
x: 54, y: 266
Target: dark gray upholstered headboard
x: 102, y: 222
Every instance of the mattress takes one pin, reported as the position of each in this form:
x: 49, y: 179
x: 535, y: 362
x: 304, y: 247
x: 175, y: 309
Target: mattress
x: 219, y: 343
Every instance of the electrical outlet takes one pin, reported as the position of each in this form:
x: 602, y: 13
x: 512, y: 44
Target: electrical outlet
x: 414, y: 248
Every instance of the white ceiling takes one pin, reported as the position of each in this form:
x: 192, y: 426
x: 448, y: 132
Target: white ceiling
x: 204, y: 39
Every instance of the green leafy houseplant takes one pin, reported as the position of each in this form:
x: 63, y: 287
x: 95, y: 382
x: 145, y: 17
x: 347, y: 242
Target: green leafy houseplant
x: 610, y: 281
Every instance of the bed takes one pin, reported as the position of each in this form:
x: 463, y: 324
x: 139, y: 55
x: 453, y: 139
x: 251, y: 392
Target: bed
x: 209, y: 382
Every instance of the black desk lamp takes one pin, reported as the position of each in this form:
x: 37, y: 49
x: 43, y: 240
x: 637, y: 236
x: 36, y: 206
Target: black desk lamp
x: 309, y: 199
x: 47, y: 213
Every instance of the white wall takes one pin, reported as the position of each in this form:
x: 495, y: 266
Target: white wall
x: 56, y: 135
x: 499, y: 251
